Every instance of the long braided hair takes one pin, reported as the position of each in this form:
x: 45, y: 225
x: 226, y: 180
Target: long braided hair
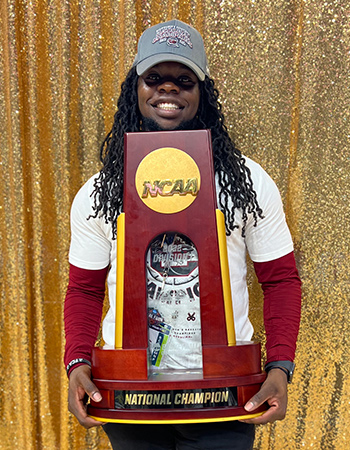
x: 236, y: 186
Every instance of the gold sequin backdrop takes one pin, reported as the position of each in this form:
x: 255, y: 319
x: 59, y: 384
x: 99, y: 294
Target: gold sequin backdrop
x: 282, y: 68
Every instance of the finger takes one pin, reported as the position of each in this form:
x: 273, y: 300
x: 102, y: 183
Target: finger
x: 276, y: 411
x: 93, y: 423
x: 78, y: 408
x: 91, y: 389
x: 88, y: 422
x: 257, y: 400
x: 267, y: 417
x: 271, y: 415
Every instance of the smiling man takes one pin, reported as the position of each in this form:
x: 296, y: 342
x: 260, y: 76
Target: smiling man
x: 169, y: 88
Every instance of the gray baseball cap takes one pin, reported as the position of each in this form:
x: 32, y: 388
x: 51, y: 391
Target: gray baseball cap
x: 172, y: 41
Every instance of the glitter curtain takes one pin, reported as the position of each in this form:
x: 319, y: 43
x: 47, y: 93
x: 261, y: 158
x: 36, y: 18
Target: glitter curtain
x: 282, y: 68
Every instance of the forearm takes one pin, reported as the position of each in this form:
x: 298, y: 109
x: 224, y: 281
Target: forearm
x: 282, y: 304
x: 83, y: 311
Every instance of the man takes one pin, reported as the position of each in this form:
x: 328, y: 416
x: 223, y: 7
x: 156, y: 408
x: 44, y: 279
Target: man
x: 169, y: 88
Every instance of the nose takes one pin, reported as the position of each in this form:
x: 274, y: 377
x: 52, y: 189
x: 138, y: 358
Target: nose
x: 168, y: 86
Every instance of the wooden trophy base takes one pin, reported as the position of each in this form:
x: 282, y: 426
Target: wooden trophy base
x: 176, y: 396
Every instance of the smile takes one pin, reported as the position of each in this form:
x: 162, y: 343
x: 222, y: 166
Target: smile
x: 167, y: 106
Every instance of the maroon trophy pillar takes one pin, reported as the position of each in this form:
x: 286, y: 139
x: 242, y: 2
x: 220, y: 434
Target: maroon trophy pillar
x: 169, y: 186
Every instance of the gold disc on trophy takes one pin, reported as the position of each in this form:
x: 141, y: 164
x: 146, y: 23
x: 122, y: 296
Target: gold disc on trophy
x: 167, y: 180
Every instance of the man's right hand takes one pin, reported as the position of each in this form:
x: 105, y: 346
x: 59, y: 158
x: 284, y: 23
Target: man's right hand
x: 80, y: 385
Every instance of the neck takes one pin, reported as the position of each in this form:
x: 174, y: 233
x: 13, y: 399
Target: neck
x: 152, y: 125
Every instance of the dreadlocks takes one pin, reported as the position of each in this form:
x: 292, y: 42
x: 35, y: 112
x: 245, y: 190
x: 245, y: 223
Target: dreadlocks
x: 236, y: 186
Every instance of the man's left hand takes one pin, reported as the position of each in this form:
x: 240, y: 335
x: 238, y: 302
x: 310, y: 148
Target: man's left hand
x: 274, y: 392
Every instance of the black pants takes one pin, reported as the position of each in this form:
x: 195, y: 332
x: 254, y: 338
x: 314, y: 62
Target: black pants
x: 207, y: 436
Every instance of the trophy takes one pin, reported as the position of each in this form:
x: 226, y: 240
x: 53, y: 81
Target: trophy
x: 176, y: 359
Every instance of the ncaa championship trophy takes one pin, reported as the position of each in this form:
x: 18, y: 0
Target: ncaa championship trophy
x: 176, y: 359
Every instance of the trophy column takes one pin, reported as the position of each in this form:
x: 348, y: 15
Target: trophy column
x: 169, y: 189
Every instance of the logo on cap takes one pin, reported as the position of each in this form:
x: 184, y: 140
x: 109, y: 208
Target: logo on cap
x: 173, y: 36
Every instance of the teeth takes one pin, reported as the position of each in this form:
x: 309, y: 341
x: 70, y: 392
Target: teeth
x: 170, y: 106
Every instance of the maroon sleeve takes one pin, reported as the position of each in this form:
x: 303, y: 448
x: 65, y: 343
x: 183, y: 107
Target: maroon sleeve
x: 282, y: 304
x: 83, y: 311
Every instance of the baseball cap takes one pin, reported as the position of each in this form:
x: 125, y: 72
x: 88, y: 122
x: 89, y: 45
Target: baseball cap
x: 172, y: 41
